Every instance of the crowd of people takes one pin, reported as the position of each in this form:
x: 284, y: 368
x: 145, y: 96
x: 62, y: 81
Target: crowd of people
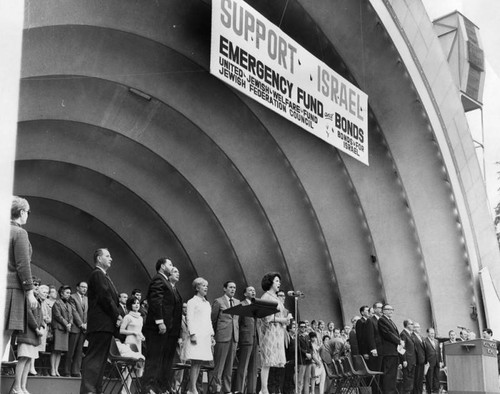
x: 161, y: 328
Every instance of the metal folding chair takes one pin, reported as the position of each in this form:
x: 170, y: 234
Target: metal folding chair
x: 333, y: 377
x: 185, y: 379
x: 360, y: 365
x: 347, y: 378
x: 355, y: 377
x: 124, y: 367
x: 9, y: 367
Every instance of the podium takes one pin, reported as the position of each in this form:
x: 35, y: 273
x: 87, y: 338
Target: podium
x: 257, y: 309
x: 472, y: 367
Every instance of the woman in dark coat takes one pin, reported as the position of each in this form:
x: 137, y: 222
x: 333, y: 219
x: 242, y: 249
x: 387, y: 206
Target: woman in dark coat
x: 62, y: 318
x: 19, y: 281
x: 27, y: 350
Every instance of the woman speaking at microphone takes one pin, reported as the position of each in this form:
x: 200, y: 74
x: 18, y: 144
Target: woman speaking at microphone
x: 272, y: 330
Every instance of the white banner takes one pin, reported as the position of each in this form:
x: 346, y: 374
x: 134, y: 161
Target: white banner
x: 254, y: 56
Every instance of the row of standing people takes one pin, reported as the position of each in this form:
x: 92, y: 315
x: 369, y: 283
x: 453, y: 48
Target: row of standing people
x: 212, y: 335
x: 387, y: 349
x: 375, y: 336
x: 55, y: 325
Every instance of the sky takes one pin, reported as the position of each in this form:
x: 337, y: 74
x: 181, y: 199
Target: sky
x: 484, y: 14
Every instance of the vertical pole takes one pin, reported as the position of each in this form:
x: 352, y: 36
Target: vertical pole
x: 296, y: 345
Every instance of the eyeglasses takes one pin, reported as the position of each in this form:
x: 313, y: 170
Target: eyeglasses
x: 388, y: 309
x: 36, y: 284
x: 302, y: 326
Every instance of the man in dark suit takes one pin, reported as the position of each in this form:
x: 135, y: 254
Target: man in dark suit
x: 305, y: 352
x: 226, y: 328
x: 433, y: 358
x: 122, y: 310
x: 103, y: 318
x: 374, y: 339
x: 173, y: 300
x: 409, y: 358
x: 247, y: 366
x: 79, y: 304
x: 361, y: 332
x: 373, y: 342
x: 418, y: 382
x: 122, y: 304
x: 389, y: 349
x: 162, y: 303
x: 488, y: 334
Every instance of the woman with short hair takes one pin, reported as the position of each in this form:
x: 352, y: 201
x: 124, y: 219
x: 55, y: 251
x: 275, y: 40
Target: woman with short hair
x: 19, y: 279
x: 62, y: 318
x: 198, y: 347
x: 27, y: 348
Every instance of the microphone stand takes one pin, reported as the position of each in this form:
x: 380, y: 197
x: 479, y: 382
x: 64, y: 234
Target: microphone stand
x: 296, y: 296
x: 296, y: 345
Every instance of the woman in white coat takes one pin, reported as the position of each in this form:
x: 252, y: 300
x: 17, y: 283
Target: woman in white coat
x: 198, y: 348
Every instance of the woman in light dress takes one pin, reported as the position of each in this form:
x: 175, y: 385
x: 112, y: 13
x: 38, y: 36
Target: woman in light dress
x: 272, y: 330
x: 198, y: 348
x: 131, y: 327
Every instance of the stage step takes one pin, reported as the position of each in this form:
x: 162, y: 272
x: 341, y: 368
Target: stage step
x: 45, y: 385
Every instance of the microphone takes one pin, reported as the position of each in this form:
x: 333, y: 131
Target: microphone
x: 293, y: 293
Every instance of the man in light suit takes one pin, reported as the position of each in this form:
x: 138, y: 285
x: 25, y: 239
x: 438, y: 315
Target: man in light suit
x: 433, y: 358
x: 247, y: 367
x: 161, y: 300
x: 418, y: 383
x: 103, y: 319
x: 389, y: 349
x: 226, y: 330
x: 409, y: 358
x: 79, y: 303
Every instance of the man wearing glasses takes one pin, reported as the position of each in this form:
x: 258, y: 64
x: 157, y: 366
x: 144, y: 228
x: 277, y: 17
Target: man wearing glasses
x: 305, y: 358
x: 409, y: 358
x: 389, y: 335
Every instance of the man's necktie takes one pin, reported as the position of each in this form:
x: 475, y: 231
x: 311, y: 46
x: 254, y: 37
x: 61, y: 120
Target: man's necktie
x: 112, y: 284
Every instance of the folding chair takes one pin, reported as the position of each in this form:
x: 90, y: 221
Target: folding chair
x: 333, y: 377
x: 359, y: 364
x: 443, y: 380
x: 124, y: 367
x: 347, y: 379
x: 357, y: 380
x: 9, y: 366
x: 185, y: 379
